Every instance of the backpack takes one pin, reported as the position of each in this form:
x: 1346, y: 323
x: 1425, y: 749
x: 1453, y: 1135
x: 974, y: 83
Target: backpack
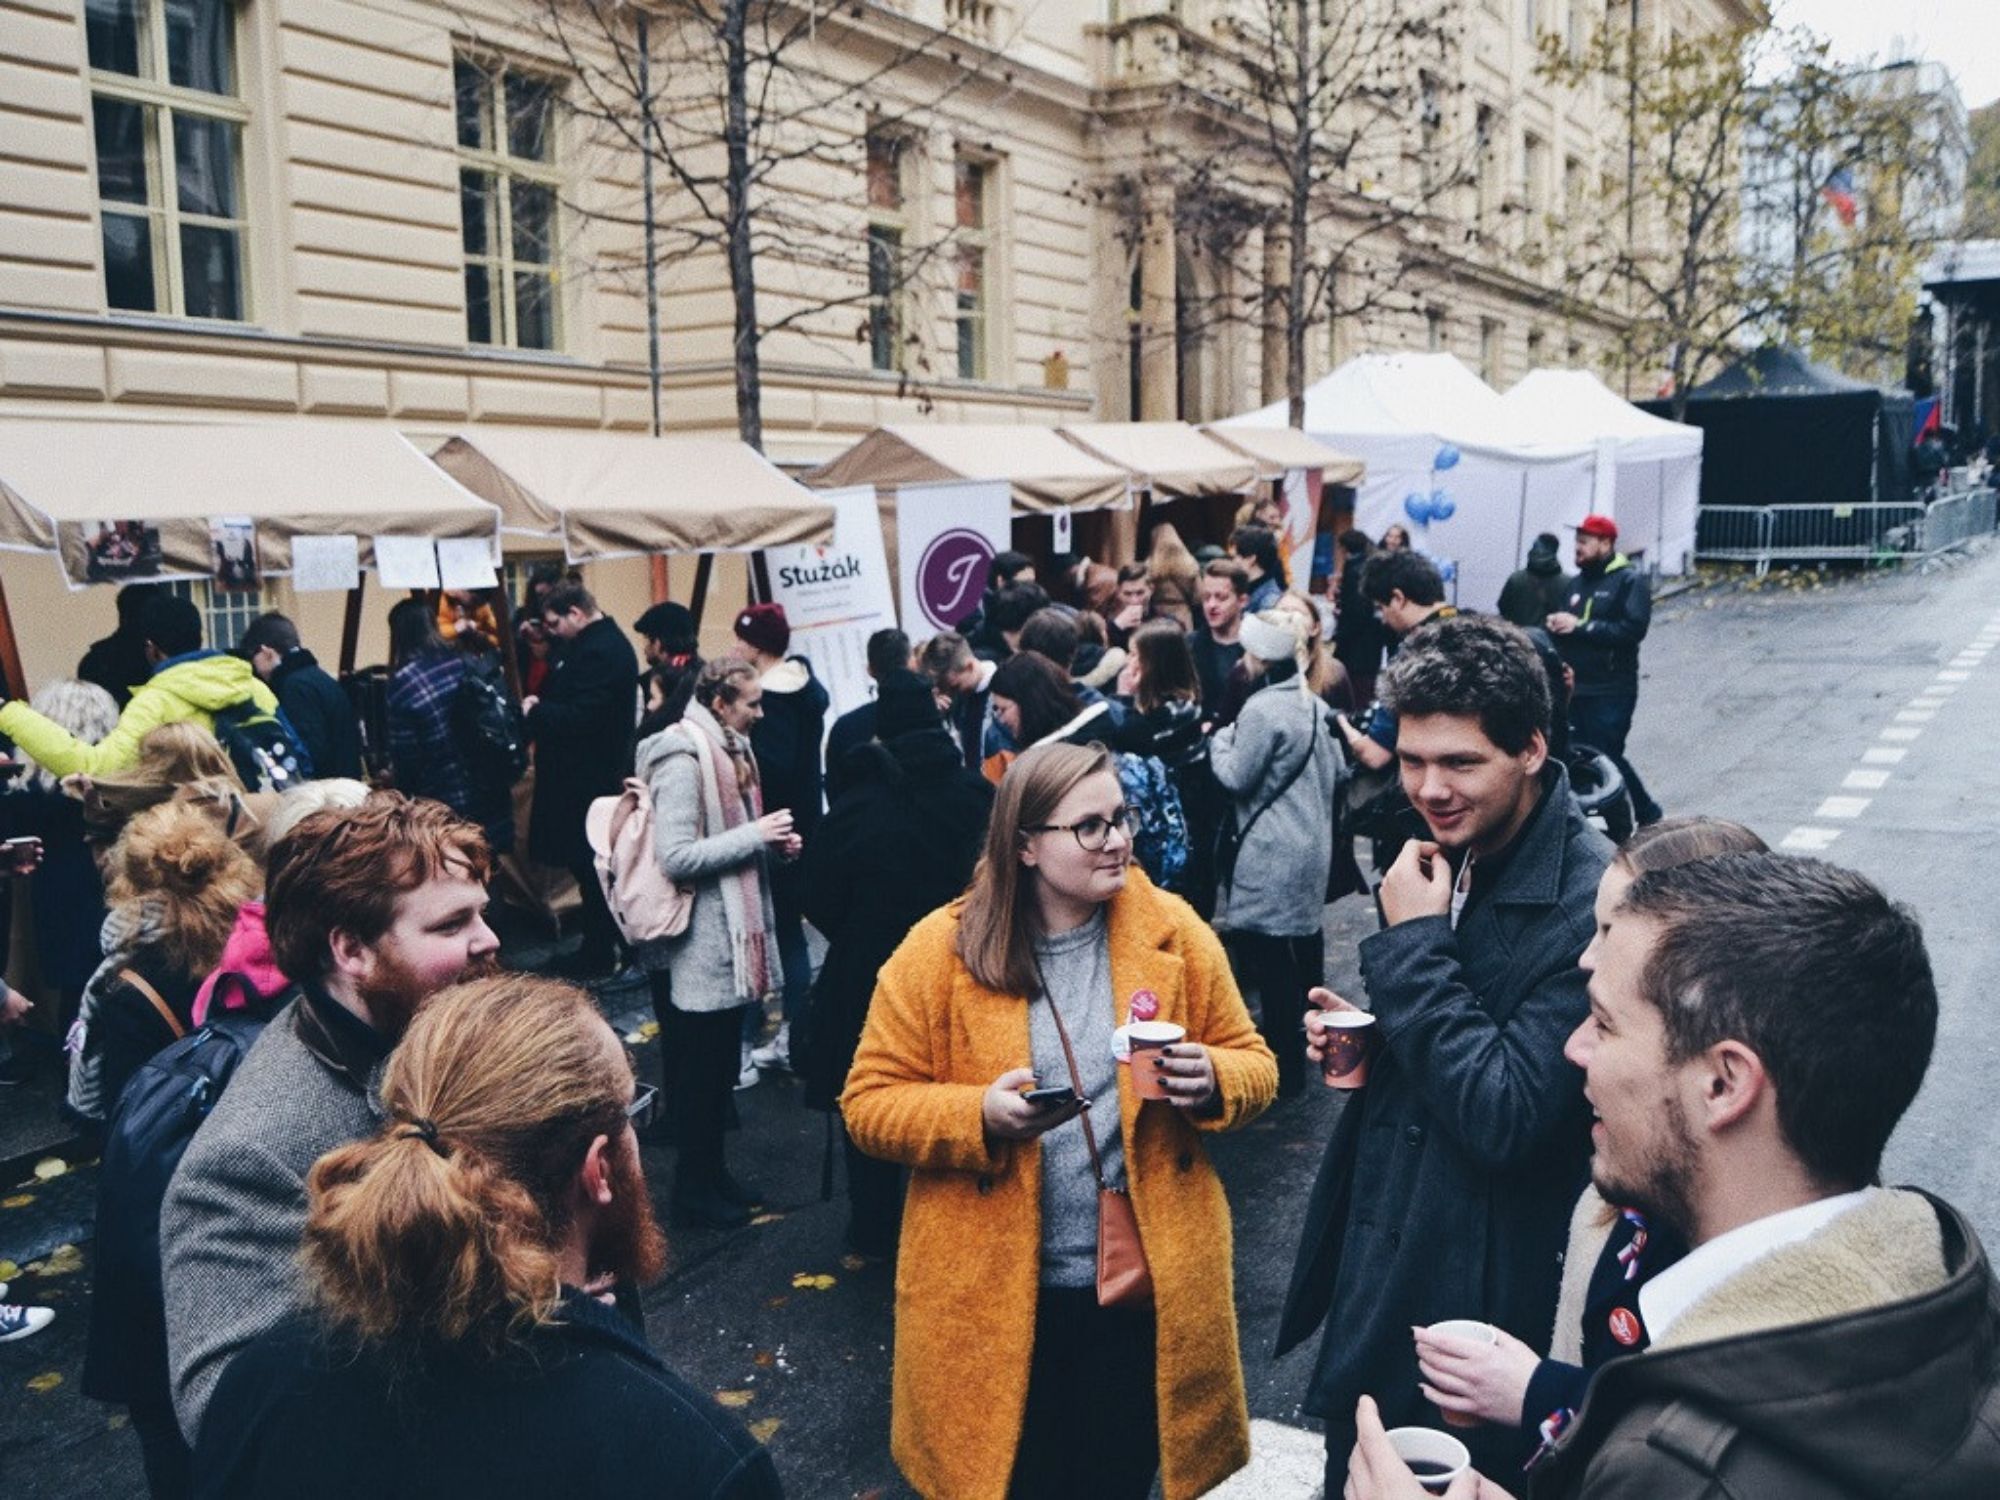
x: 644, y: 902
x: 267, y: 754
x: 487, y: 724
x: 1160, y: 843
x: 155, y: 1118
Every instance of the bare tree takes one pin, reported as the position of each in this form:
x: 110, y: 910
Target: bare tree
x: 738, y: 113
x: 1336, y: 128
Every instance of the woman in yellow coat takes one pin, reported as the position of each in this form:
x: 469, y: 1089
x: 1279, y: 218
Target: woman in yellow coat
x: 1010, y: 1379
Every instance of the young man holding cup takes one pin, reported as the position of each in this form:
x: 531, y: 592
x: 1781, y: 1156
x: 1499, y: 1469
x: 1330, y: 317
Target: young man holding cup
x: 1447, y: 1188
x: 1757, y: 1026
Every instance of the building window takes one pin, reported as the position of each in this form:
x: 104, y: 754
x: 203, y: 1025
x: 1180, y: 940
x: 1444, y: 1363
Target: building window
x: 1536, y: 340
x: 973, y: 179
x: 1485, y: 126
x: 1434, y: 329
x: 508, y: 187
x: 1531, y: 19
x: 1490, y: 335
x: 168, y: 131
x: 225, y: 613
x: 888, y: 320
x: 1579, y: 28
x: 1576, y: 187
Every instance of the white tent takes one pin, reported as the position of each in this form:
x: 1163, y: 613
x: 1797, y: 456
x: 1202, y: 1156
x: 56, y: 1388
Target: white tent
x: 1430, y: 430
x: 1648, y: 469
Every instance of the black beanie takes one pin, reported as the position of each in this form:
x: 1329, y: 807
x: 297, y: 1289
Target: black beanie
x: 903, y: 705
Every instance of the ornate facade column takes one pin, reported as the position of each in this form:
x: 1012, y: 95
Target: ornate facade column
x: 1159, y: 369
x: 1277, y: 286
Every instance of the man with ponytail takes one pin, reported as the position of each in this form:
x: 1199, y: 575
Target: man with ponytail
x: 370, y: 910
x: 453, y: 1260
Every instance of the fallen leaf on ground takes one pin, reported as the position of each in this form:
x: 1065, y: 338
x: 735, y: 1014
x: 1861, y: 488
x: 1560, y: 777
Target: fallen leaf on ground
x: 64, y: 1260
x: 19, y: 1200
x: 734, y: 1398
x: 776, y: 1301
x: 765, y: 1429
x: 764, y: 1359
x: 853, y: 1262
x: 8, y: 1270
x: 805, y: 1281
x: 41, y: 1385
x: 767, y: 1218
x: 50, y: 1168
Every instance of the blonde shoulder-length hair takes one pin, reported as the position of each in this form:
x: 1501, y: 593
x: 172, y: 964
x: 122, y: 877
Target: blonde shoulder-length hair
x: 998, y: 924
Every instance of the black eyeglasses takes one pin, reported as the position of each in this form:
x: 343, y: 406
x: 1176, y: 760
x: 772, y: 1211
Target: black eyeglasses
x: 1093, y: 833
x: 645, y: 1106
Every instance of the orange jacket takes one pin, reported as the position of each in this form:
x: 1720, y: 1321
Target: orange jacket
x: 968, y: 1273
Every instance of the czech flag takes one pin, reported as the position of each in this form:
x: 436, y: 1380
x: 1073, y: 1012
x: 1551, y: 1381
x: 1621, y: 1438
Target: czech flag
x: 1929, y: 415
x: 1839, y: 191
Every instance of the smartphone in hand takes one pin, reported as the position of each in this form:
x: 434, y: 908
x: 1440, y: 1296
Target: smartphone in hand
x: 1050, y: 1098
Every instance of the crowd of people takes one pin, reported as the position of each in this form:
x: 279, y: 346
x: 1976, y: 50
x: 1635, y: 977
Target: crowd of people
x: 1601, y: 1211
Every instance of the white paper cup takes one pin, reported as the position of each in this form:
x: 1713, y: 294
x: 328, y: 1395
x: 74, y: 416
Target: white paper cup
x: 1436, y: 1458
x: 1473, y: 1332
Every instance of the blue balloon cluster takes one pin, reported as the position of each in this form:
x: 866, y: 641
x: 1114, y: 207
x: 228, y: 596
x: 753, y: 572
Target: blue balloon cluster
x: 1447, y: 458
x: 1424, y: 509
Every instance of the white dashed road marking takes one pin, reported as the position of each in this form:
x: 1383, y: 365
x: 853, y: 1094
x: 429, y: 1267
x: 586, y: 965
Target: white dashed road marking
x: 1902, y: 734
x: 1809, y: 840
x: 1884, y: 755
x: 1843, y: 807
x: 1866, y: 781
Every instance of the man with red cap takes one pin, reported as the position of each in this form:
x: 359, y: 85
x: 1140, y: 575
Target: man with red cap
x: 787, y: 745
x: 1598, y: 632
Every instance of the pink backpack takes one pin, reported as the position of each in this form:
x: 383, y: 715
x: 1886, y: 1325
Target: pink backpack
x: 646, y: 905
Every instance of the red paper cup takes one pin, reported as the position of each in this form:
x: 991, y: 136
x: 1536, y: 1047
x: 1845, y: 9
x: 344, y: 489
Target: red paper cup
x: 1146, y: 1038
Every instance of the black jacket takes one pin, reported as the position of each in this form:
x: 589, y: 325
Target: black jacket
x: 850, y: 732
x: 127, y: 1028
x: 1359, y: 639
x: 1531, y: 594
x: 586, y: 1412
x: 1212, y: 661
x: 899, y: 842
x: 319, y: 710
x: 1447, y: 1188
x: 582, y: 729
x: 1614, y: 606
x: 787, y: 741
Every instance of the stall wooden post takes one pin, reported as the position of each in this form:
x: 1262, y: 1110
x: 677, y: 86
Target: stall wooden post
x: 350, y: 627
x: 662, y: 588
x: 510, y: 660
x: 10, y: 651
x: 703, y: 571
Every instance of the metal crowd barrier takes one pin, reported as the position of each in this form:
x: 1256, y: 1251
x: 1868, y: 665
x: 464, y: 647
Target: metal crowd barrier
x: 1876, y: 531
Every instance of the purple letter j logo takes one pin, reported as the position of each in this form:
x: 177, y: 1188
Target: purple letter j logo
x: 952, y: 575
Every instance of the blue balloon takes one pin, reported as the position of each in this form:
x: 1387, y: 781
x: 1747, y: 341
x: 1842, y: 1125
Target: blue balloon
x: 1447, y: 458
x: 1442, y: 506
x: 1447, y: 570
x: 1417, y: 508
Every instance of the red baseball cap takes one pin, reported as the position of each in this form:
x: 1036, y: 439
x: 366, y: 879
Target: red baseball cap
x: 1602, y: 526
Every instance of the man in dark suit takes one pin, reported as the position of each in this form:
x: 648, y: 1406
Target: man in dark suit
x: 1447, y: 1188
x: 582, y: 729
x: 888, y: 651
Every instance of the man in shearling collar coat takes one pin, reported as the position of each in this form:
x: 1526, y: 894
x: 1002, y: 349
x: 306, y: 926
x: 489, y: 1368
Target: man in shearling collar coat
x: 1758, y: 1025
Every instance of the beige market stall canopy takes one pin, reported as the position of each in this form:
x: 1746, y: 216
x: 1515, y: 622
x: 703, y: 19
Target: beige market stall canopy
x: 1171, y: 459
x: 601, y: 495
x: 1045, y: 472
x: 1279, y: 450
x: 63, y: 483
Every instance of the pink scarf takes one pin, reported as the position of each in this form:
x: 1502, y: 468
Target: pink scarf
x: 731, y: 797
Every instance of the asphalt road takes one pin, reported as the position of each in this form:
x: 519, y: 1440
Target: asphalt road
x: 1757, y: 705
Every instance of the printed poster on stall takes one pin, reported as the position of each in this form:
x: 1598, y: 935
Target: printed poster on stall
x: 946, y: 537
x: 836, y: 595
x: 1300, y: 496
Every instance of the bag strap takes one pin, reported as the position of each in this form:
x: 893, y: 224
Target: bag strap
x: 1312, y: 744
x: 138, y: 982
x: 1075, y: 1082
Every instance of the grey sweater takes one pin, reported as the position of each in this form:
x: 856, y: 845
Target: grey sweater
x: 1076, y: 970
x: 236, y: 1208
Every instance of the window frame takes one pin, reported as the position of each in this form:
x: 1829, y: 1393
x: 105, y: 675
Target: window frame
x: 978, y: 239
x: 497, y: 163
x: 889, y: 311
x: 160, y: 100
x: 225, y: 613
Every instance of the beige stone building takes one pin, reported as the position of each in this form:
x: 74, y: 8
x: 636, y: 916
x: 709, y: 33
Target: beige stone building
x: 401, y: 212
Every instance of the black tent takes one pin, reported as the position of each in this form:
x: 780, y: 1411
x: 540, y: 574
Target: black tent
x: 1781, y: 430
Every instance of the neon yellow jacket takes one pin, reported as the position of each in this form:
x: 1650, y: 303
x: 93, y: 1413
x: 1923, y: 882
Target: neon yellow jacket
x: 191, y: 686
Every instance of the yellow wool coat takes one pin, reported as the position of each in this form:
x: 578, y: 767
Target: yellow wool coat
x: 968, y: 1275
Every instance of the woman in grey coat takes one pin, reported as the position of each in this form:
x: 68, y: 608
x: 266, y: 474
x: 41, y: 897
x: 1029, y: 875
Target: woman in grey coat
x: 713, y: 837
x: 1281, y: 766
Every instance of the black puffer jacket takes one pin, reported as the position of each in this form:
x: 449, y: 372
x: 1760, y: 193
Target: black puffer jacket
x: 1614, y: 608
x: 899, y: 842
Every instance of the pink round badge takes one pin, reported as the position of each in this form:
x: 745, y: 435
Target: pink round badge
x: 1145, y: 1006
